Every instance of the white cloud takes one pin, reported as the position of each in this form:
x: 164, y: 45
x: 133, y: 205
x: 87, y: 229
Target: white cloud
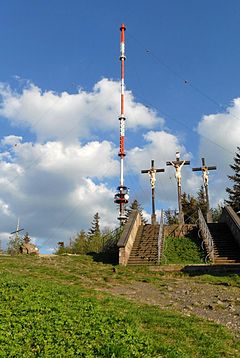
x: 57, y: 184
x: 4, y: 208
x: 67, y: 116
x: 219, y: 139
x: 160, y: 146
x: 51, y: 188
x: 11, y: 140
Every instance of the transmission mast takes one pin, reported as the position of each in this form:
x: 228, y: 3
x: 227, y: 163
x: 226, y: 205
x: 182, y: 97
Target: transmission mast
x: 121, y: 197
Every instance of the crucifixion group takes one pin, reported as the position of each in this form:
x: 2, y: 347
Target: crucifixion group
x: 178, y: 164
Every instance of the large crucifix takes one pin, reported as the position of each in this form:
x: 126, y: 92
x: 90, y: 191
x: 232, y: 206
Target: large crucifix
x: 152, y: 175
x: 178, y: 164
x: 204, y: 169
x: 17, y: 229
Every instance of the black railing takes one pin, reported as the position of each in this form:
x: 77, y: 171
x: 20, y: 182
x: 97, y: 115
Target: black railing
x: 206, y: 236
x: 160, y: 236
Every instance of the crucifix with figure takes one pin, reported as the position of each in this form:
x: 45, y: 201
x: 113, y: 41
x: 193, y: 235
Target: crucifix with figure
x: 152, y: 175
x: 178, y: 164
x: 204, y: 169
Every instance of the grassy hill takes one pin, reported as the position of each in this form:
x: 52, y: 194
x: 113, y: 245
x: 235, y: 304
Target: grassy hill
x: 63, y: 307
x: 182, y: 250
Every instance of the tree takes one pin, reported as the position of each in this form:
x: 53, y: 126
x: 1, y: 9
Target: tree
x: 94, y: 237
x: 95, y: 228
x: 190, y: 208
x: 136, y: 206
x: 26, y: 238
x: 79, y: 244
x: 170, y: 217
x: 14, y: 245
x: 234, y: 192
x: 191, y: 204
x: 216, y: 213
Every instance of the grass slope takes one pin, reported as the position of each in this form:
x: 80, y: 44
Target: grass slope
x: 54, y: 307
x: 182, y: 250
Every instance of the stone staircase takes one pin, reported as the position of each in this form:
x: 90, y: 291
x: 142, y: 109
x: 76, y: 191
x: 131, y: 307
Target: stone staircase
x: 226, y: 249
x: 145, y: 247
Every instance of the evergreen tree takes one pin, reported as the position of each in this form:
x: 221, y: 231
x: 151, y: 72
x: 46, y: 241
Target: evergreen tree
x: 95, y: 228
x: 79, y: 244
x: 216, y: 213
x: 191, y: 204
x: 201, y: 201
x: 234, y: 192
x: 94, y: 235
x: 170, y: 217
x: 136, y: 206
x: 190, y: 207
x: 26, y: 238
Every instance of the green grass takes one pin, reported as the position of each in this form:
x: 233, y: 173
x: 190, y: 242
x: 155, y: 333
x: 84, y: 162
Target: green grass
x: 230, y: 280
x: 55, y: 307
x: 182, y: 250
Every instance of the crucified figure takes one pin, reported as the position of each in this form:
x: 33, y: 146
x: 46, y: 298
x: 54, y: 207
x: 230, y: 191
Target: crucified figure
x: 152, y: 176
x: 178, y: 167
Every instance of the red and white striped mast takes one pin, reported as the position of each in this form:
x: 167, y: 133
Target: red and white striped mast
x: 121, y: 197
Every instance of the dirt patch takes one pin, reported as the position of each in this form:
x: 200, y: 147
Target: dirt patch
x: 218, y: 303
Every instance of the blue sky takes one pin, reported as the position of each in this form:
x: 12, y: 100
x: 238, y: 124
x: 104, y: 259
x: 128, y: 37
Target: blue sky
x: 59, y: 73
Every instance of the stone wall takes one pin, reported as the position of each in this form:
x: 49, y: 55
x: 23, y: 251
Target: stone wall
x: 128, y: 237
x: 177, y: 230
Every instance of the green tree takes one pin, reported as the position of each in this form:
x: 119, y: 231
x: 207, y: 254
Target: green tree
x: 191, y: 204
x: 135, y: 205
x: 234, y: 191
x: 14, y: 245
x: 79, y: 244
x: 26, y: 238
x: 94, y: 237
x: 216, y: 213
x: 170, y: 217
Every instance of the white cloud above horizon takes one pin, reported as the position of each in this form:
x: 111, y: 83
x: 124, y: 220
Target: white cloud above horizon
x: 59, y: 182
x: 68, y: 117
x: 53, y: 183
x: 219, y: 138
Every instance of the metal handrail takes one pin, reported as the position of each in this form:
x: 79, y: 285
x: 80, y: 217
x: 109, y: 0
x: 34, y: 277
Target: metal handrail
x: 206, y: 235
x: 160, y: 236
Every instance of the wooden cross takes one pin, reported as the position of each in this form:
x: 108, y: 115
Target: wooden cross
x: 152, y: 175
x: 204, y: 169
x: 178, y: 164
x: 17, y: 229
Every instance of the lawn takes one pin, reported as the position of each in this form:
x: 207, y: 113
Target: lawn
x: 182, y: 250
x: 55, y: 307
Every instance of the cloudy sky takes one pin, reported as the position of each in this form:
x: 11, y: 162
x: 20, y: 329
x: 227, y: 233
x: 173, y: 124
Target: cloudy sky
x: 60, y: 102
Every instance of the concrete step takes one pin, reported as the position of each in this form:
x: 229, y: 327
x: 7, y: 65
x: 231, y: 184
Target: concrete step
x: 226, y: 249
x: 145, y: 247
x: 224, y: 262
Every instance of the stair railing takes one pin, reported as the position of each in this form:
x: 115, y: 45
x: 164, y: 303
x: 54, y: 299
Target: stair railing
x: 160, y: 236
x: 206, y: 236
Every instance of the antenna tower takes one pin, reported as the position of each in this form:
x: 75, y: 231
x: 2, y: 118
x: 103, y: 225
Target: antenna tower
x: 121, y: 197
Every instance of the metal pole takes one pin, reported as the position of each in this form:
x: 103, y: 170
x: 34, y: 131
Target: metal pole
x: 180, y: 214
x: 153, y: 217
x: 121, y: 197
x: 152, y: 174
x: 209, y: 213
